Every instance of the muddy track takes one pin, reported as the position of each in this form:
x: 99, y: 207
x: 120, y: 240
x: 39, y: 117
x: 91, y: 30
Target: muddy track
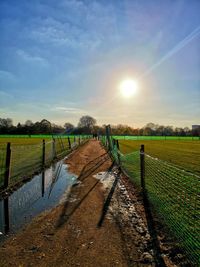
x: 92, y: 227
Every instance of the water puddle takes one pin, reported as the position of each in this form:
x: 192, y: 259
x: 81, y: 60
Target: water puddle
x: 43, y: 192
x: 106, y: 178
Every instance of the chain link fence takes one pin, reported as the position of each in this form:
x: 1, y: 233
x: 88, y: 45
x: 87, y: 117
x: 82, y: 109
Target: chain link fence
x: 173, y: 193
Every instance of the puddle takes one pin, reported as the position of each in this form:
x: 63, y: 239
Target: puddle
x: 106, y: 178
x: 43, y: 192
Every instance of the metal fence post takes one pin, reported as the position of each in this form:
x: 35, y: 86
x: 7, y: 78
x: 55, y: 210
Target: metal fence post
x: 43, y: 153
x: 69, y: 142
x: 108, y: 136
x: 117, y: 142
x: 114, y: 142
x: 142, y: 167
x: 8, y: 163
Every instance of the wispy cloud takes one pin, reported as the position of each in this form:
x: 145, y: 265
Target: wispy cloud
x: 79, y: 50
x: 69, y: 110
x: 31, y: 58
x: 54, y: 32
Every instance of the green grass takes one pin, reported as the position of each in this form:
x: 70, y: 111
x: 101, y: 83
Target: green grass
x: 27, y: 140
x: 183, y: 154
x: 26, y: 155
x: 172, y: 192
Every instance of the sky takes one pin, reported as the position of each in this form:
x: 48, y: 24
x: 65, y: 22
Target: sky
x: 63, y: 59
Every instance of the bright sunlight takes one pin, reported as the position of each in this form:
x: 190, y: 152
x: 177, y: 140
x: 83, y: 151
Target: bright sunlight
x: 128, y: 88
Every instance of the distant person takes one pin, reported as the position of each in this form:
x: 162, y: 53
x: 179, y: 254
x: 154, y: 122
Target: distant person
x: 95, y: 136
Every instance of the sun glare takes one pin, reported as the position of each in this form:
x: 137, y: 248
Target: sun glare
x: 128, y: 88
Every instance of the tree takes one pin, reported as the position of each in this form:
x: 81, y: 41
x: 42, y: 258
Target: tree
x: 6, y: 123
x: 87, y: 123
x: 147, y: 131
x: 151, y: 125
x: 168, y: 130
x: 28, y: 123
x: 45, y: 126
x: 68, y: 127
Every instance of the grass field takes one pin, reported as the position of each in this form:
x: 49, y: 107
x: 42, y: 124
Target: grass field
x: 172, y: 191
x: 184, y: 154
x: 29, y: 140
x: 26, y: 154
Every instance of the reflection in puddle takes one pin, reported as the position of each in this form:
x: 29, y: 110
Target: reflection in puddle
x: 41, y: 193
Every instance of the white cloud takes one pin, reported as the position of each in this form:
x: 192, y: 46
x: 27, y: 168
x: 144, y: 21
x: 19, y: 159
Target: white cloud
x: 69, y: 110
x: 80, y: 25
x: 30, y: 58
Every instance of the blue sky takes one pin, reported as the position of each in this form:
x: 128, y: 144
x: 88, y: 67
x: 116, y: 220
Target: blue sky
x: 63, y: 59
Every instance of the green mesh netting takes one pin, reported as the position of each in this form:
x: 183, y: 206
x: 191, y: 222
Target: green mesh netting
x: 173, y: 192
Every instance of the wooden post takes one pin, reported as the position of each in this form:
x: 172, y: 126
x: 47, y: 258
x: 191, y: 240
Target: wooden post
x: 8, y: 161
x: 79, y: 140
x: 118, y: 153
x: 117, y: 141
x: 43, y: 153
x: 69, y: 142
x: 114, y: 142
x: 108, y: 133
x: 142, y: 167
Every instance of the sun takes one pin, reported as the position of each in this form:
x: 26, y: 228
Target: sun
x: 128, y: 87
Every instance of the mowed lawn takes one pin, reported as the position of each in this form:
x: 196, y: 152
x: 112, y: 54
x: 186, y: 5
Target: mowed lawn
x: 183, y: 154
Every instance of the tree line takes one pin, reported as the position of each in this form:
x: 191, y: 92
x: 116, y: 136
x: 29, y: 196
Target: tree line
x: 88, y: 125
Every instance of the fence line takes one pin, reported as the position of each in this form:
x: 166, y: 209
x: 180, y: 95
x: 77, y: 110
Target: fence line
x: 149, y: 137
x: 173, y: 192
x: 28, y: 159
x: 42, y: 136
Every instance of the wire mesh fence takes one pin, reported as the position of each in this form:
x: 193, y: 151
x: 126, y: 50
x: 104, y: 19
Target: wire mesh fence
x: 175, y: 196
x: 28, y: 159
x: 24, y: 160
x: 173, y: 193
x: 148, y: 137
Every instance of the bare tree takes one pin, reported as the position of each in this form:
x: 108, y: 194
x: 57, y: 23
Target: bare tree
x: 6, y: 122
x: 28, y: 123
x: 68, y: 126
x: 87, y: 122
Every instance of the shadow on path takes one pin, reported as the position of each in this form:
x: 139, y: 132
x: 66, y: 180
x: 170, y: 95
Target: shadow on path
x: 152, y: 231
x: 92, y: 165
x: 108, y: 200
x: 96, y: 163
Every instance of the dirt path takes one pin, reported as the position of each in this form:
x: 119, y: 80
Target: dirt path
x: 96, y: 226
x: 68, y: 235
